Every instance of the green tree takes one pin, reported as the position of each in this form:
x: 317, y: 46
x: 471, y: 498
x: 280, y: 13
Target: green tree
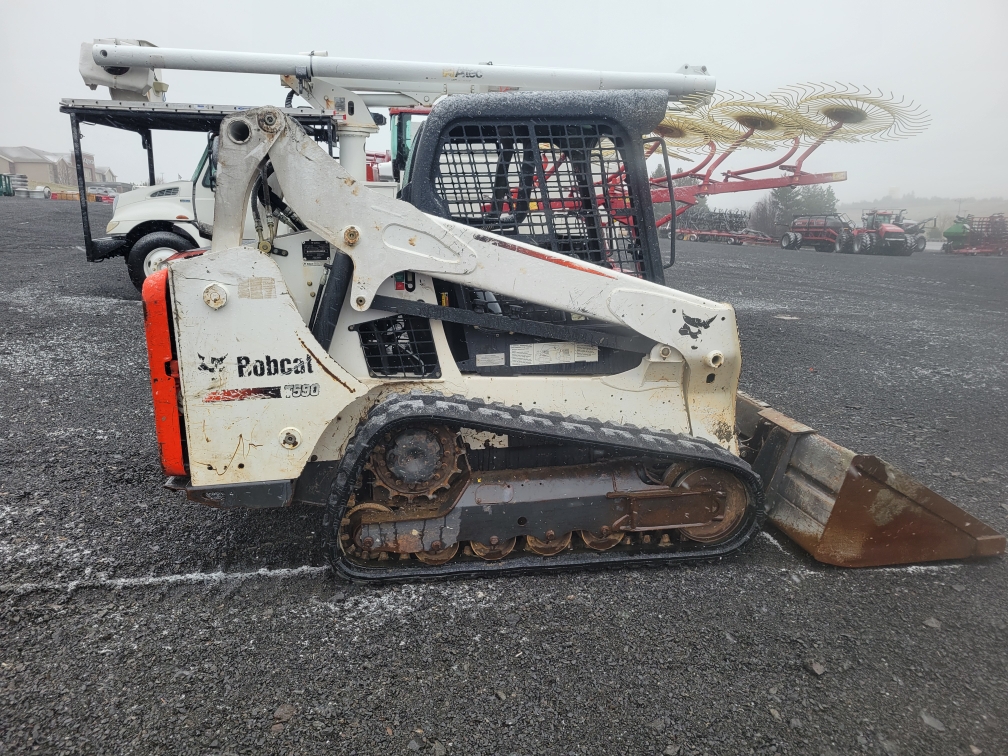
x: 817, y: 200
x: 788, y: 202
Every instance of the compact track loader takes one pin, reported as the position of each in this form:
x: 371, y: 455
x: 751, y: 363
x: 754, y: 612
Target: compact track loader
x: 489, y: 374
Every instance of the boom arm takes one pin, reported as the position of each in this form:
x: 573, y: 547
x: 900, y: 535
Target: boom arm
x: 346, y: 87
x: 396, y: 76
x: 384, y: 236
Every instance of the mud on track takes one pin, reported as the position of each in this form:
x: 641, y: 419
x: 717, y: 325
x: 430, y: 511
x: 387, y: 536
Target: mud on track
x: 134, y: 622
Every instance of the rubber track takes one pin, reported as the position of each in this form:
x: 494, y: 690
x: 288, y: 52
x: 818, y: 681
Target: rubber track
x: 416, y: 406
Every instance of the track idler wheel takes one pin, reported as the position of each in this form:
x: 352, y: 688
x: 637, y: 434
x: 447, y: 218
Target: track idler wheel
x: 493, y: 551
x: 435, y: 557
x: 601, y: 541
x: 552, y: 546
x: 735, y: 499
x: 352, y: 523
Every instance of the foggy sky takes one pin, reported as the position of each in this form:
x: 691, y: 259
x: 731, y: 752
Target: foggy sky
x: 949, y: 56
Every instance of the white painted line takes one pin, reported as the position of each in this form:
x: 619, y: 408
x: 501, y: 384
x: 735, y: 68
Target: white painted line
x: 191, y: 578
x: 773, y: 540
x: 913, y: 569
x: 199, y: 578
x: 920, y: 569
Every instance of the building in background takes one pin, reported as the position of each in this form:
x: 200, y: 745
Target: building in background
x: 43, y: 167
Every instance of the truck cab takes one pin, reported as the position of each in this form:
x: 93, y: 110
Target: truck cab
x: 155, y: 222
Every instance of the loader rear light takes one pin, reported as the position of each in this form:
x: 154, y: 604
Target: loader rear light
x: 164, y: 373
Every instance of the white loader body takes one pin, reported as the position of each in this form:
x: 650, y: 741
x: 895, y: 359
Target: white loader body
x: 273, y: 399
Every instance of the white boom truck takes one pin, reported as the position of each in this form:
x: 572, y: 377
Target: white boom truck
x: 152, y: 223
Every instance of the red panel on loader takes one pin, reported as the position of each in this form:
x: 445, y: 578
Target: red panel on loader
x: 163, y: 373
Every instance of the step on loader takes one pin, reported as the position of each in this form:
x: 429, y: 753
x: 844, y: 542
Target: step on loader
x: 489, y: 375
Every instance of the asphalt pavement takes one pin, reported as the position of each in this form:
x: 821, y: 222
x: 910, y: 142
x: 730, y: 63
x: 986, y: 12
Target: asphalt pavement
x: 132, y: 621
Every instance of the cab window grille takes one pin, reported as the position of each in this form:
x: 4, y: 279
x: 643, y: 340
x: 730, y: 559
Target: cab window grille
x: 561, y: 186
x: 399, y: 347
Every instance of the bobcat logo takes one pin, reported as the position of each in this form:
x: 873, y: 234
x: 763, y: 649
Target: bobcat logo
x: 216, y: 363
x: 693, y: 326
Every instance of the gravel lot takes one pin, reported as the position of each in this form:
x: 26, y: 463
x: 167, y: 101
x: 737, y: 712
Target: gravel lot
x: 134, y: 622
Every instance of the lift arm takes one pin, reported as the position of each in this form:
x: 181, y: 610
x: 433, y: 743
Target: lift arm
x: 384, y: 236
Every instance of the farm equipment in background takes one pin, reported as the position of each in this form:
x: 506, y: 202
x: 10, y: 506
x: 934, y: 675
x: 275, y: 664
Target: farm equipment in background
x: 879, y: 235
x: 831, y: 232
x: 677, y: 128
x: 835, y: 232
x: 727, y: 226
x: 700, y: 220
x: 970, y: 235
x: 914, y: 230
x: 817, y: 113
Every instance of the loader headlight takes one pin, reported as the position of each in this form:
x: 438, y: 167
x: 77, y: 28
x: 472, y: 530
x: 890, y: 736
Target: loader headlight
x: 111, y: 225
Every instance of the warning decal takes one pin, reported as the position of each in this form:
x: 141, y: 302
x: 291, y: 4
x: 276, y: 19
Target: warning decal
x: 552, y: 353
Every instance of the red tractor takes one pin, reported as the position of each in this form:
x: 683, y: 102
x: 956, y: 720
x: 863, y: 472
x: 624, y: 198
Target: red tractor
x: 879, y: 235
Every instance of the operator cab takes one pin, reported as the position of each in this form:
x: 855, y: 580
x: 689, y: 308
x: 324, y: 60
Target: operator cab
x: 544, y: 170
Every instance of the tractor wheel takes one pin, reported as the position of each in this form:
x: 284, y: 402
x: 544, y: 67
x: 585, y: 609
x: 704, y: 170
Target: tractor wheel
x: 920, y: 243
x: 867, y: 244
x: 150, y: 251
x: 902, y: 250
x: 785, y: 240
x: 843, y: 242
x: 798, y: 239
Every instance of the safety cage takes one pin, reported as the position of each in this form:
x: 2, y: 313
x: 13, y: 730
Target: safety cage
x: 566, y: 175
x: 561, y: 186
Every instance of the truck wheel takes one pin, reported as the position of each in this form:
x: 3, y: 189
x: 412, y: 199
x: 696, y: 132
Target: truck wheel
x: 150, y: 251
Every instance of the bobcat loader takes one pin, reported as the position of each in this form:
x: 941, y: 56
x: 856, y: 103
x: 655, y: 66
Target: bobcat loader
x: 489, y: 374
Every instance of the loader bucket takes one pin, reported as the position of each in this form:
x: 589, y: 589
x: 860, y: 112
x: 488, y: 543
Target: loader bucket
x: 852, y: 510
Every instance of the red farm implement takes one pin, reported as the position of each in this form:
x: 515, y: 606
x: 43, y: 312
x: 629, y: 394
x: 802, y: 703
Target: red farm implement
x: 739, y: 180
